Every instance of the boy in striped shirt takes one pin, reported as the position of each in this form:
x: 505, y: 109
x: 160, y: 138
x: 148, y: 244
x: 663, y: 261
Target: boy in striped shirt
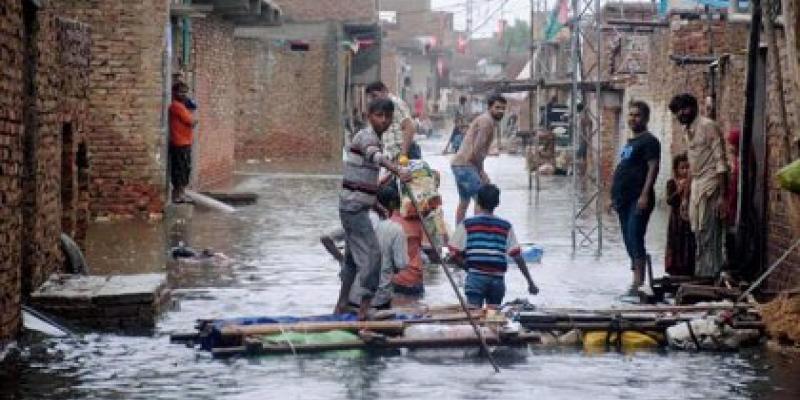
x: 363, y: 159
x: 482, y: 242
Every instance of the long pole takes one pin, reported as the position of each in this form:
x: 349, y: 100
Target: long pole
x: 775, y: 265
x: 461, y: 301
x: 573, y: 101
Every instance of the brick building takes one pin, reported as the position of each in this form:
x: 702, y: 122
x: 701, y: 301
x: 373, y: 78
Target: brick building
x: 708, y: 57
x: 126, y: 92
x: 302, y: 79
x: 420, y: 42
x: 44, y: 169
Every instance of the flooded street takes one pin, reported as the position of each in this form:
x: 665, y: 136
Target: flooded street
x: 280, y: 269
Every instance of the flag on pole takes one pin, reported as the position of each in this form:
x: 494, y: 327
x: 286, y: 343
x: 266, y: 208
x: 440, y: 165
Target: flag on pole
x: 556, y: 20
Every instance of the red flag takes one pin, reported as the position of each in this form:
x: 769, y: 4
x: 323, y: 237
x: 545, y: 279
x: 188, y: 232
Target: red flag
x: 461, y: 45
x: 501, y: 29
x: 563, y: 12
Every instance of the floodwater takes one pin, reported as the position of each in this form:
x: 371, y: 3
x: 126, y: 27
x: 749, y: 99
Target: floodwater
x: 279, y: 269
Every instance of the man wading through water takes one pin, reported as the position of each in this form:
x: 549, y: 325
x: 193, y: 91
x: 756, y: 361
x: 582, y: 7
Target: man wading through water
x: 398, y: 140
x: 632, y: 191
x: 467, y: 164
x: 364, y: 158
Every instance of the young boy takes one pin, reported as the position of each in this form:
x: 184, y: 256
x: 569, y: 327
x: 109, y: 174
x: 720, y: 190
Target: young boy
x: 364, y: 158
x: 482, y: 242
x: 392, y: 240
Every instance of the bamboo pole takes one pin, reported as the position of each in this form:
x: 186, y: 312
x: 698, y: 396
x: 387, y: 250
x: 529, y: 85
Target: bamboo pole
x: 395, y: 327
x: 450, y: 279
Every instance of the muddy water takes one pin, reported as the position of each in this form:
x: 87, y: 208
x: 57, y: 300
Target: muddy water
x: 279, y: 268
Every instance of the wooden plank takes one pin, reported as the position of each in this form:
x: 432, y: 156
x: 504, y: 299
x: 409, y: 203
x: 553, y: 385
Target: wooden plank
x: 233, y: 198
x: 395, y: 327
x: 255, y: 347
x: 656, y: 309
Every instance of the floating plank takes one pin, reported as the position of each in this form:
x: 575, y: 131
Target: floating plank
x: 255, y: 346
x: 208, y: 202
x: 233, y: 198
x: 690, y: 293
x: 394, y: 327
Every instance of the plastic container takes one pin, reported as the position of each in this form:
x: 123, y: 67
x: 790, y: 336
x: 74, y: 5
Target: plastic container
x: 631, y: 340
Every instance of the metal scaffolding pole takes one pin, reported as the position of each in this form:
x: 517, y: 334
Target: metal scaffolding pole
x: 586, y: 69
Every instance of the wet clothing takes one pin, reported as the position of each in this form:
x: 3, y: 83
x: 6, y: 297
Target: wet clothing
x: 630, y: 175
x: 393, y: 137
x: 476, y: 143
x: 180, y: 165
x: 361, y: 168
x: 484, y: 241
x: 455, y: 139
x: 362, y: 254
x: 181, y: 123
x: 409, y: 279
x: 633, y: 226
x: 707, y: 162
x: 394, y: 256
x: 468, y: 181
x: 680, y: 251
x: 484, y: 289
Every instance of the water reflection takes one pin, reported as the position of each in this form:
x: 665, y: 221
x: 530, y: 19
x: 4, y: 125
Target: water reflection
x: 277, y: 267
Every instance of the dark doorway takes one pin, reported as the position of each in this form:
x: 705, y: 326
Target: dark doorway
x: 68, y: 189
x: 30, y: 120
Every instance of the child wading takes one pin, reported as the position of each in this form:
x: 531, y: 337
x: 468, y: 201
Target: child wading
x: 364, y: 158
x: 483, y: 242
x: 679, y: 258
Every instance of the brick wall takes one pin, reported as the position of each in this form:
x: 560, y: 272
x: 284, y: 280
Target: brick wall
x: 783, y: 212
x: 328, y: 10
x: 11, y: 128
x: 216, y: 94
x: 698, y: 38
x: 252, y: 69
x: 126, y: 137
x: 53, y: 201
x: 389, y: 69
x: 42, y: 118
x: 300, y: 115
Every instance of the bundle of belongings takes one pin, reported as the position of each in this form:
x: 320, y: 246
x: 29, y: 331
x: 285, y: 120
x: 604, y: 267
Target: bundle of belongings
x: 424, y: 185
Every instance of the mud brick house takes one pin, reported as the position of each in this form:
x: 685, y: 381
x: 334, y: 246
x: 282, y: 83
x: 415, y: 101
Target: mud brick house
x: 83, y: 93
x: 44, y: 168
x: 298, y: 82
x: 136, y: 48
x: 707, y: 54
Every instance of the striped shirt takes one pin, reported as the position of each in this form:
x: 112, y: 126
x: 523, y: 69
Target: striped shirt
x: 360, y: 174
x: 484, y: 241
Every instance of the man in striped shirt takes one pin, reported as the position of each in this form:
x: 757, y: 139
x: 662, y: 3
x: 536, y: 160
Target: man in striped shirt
x: 482, y: 242
x: 363, y: 159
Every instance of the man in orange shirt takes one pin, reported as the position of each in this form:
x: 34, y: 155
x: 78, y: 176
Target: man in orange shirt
x: 181, y: 136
